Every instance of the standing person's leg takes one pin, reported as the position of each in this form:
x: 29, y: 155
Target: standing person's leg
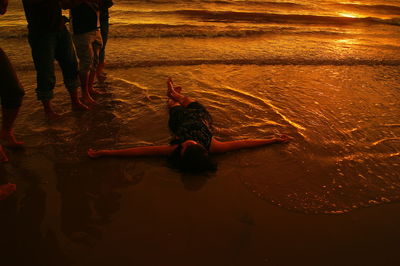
x: 83, y: 44
x: 104, y: 28
x: 43, y: 54
x: 7, y: 133
x: 11, y: 94
x: 97, y: 45
x: 66, y: 57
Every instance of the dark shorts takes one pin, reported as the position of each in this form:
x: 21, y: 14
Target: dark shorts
x: 11, y: 91
x: 180, y: 114
x: 190, y: 123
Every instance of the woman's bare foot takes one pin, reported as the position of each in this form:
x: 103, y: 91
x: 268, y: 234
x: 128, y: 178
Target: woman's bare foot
x: 173, y: 92
x: 170, y: 87
x: 6, y: 190
x: 174, y: 95
x: 49, y: 111
x: 178, y: 89
x: 3, y: 156
x: 10, y: 139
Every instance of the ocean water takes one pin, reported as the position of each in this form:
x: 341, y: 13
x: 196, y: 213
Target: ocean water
x: 325, y: 72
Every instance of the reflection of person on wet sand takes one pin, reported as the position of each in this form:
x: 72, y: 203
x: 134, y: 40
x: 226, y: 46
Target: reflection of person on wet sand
x: 6, y: 190
x: 190, y: 124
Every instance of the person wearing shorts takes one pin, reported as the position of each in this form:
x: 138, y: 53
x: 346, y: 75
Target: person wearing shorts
x: 88, y: 42
x: 192, y: 137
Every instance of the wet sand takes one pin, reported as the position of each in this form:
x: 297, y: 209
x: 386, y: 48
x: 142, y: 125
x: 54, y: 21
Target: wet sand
x: 155, y: 221
x: 71, y: 210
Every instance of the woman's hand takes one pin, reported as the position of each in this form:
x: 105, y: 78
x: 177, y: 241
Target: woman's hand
x: 94, y: 154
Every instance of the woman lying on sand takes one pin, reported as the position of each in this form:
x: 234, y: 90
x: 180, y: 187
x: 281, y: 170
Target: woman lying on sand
x: 193, y: 141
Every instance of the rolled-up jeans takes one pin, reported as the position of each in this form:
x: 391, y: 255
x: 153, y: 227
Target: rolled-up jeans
x: 46, y: 48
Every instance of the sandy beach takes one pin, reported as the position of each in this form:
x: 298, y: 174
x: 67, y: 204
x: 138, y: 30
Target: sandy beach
x: 72, y: 210
x: 325, y: 73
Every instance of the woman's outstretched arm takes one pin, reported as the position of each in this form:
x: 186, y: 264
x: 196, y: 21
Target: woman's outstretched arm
x: 221, y: 147
x: 163, y: 150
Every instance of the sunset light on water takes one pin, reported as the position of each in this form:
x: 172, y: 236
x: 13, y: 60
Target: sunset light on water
x: 325, y: 73
x: 349, y: 15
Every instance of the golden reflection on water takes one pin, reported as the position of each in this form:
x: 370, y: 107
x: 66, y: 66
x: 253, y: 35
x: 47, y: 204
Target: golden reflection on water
x: 347, y: 41
x: 343, y: 47
x: 349, y: 15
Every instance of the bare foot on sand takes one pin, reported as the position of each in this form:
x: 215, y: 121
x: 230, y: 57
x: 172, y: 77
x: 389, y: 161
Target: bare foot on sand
x: 78, y: 106
x: 10, y: 139
x: 49, y: 111
x: 3, y: 156
x: 51, y: 115
x: 88, y: 100
x: 101, y: 77
x: 6, y: 190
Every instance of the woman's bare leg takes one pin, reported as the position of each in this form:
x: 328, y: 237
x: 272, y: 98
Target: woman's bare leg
x: 172, y: 102
x: 175, y: 94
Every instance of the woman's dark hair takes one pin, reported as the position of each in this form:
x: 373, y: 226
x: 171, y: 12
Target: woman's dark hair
x: 194, y: 160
